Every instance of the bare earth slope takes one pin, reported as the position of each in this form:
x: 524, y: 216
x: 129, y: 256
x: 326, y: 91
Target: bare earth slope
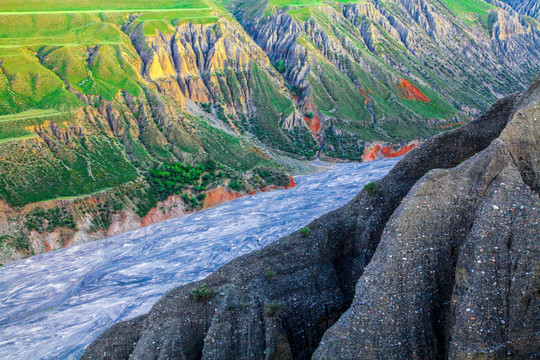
x: 440, y: 262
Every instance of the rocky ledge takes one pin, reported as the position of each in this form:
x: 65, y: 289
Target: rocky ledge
x: 439, y: 260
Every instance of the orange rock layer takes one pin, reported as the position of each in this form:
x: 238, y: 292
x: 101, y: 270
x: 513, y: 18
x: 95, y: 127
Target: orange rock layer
x: 452, y: 125
x: 381, y: 152
x: 411, y: 92
x: 366, y: 96
x: 292, y: 183
x: 220, y: 195
x: 258, y: 151
x: 314, y: 124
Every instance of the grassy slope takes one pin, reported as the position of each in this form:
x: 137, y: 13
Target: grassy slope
x: 48, y: 47
x: 396, y: 112
x: 342, y: 94
x: 471, y: 12
x: 82, y: 5
x: 72, y: 44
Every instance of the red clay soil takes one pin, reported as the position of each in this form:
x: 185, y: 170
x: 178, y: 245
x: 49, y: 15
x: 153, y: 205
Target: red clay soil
x: 452, y: 125
x: 220, y: 195
x: 366, y: 95
x: 153, y: 216
x: 234, y: 127
x: 314, y: 124
x: 379, y: 152
x: 412, y: 92
x: 292, y: 183
x: 260, y: 152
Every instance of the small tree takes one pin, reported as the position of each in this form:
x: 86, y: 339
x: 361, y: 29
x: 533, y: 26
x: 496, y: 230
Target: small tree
x: 371, y: 188
x: 305, y: 231
x: 281, y: 67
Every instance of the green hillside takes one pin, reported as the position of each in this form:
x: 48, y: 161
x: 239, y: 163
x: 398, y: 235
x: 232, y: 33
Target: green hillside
x: 95, y: 97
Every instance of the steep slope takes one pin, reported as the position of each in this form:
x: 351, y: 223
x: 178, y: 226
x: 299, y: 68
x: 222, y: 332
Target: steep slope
x: 437, y: 260
x: 456, y: 56
x: 526, y: 7
x: 93, y: 101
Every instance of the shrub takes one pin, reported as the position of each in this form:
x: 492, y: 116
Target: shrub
x: 42, y: 220
x: 274, y: 308
x: 371, y: 188
x: 271, y: 275
x: 236, y: 185
x: 206, y: 107
x: 202, y: 293
x: 19, y: 243
x: 273, y: 176
x: 183, y: 179
x: 281, y: 67
x: 305, y: 231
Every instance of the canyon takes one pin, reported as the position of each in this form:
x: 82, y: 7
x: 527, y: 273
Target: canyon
x: 92, y: 99
x: 54, y: 304
x: 437, y: 260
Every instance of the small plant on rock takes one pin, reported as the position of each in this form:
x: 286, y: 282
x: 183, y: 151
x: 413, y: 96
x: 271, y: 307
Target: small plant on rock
x: 202, y: 293
x: 271, y: 275
x: 274, y: 308
x: 371, y: 188
x: 305, y: 231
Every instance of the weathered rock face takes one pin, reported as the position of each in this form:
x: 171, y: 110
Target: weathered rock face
x: 441, y: 261
x: 408, y: 59
x: 189, y: 61
x: 454, y: 272
x: 526, y: 7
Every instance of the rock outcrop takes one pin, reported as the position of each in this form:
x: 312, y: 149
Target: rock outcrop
x: 525, y: 7
x: 439, y: 261
x: 411, y: 57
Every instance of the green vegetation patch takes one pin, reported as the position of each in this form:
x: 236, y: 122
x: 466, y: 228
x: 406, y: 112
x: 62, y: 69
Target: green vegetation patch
x: 57, y: 30
x: 471, y: 11
x: 201, y: 293
x: 42, y: 220
x: 305, y: 231
x: 273, y: 176
x: 335, y: 95
x: 97, y: 5
x: 272, y: 106
x: 25, y: 84
x: 183, y: 179
x: 164, y: 21
x: 32, y: 173
x: 18, y: 243
x: 371, y: 188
